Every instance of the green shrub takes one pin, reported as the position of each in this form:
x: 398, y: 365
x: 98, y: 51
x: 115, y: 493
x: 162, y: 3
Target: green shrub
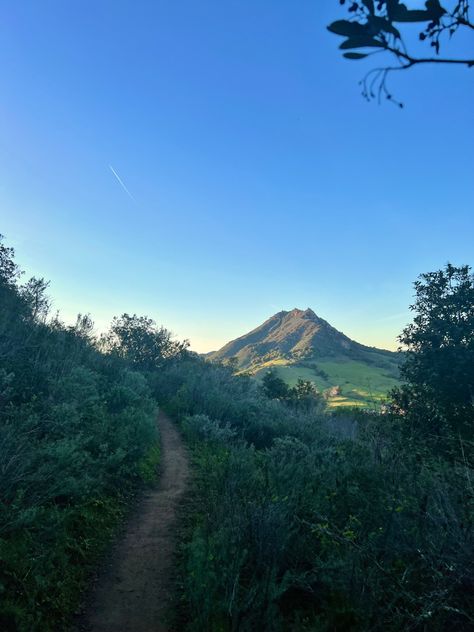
x: 75, y: 425
x: 149, y: 463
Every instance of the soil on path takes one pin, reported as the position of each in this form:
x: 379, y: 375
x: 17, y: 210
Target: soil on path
x: 134, y: 593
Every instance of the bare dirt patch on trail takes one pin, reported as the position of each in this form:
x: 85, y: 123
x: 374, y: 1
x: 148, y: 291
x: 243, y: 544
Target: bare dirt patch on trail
x: 134, y: 593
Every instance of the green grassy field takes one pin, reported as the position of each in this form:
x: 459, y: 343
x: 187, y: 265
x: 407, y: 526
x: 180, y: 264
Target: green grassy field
x: 361, y: 384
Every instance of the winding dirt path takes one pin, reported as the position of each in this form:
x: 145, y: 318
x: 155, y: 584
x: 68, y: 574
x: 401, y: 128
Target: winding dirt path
x: 134, y: 593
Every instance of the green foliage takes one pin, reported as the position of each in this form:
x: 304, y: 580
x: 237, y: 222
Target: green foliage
x: 149, y: 463
x: 74, y: 428
x: 274, y: 386
x: 200, y: 428
x: 437, y: 398
x: 338, y: 534
x: 302, y: 395
x: 140, y: 342
x: 305, y: 395
x: 45, y: 562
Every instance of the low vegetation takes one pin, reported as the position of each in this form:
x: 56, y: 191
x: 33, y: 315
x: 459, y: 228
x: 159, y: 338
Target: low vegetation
x: 77, y: 434
x: 299, y: 518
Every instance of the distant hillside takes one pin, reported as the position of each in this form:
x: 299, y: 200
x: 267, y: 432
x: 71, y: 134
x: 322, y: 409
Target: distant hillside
x: 300, y: 344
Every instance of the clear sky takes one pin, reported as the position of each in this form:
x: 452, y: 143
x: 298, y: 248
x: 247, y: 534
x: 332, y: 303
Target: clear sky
x: 258, y: 179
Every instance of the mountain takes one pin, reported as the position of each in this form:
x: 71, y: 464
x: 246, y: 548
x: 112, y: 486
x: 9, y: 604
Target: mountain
x: 292, y: 335
x: 300, y: 344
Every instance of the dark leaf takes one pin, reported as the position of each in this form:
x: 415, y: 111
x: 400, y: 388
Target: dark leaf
x: 402, y: 14
x: 349, y: 29
x: 355, y: 55
x: 361, y: 42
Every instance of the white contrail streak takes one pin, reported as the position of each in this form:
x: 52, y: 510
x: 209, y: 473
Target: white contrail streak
x: 120, y: 181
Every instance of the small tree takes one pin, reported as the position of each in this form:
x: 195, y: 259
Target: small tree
x: 233, y: 364
x: 274, y: 386
x: 34, y: 293
x: 138, y: 340
x: 9, y: 271
x: 305, y: 395
x: 304, y: 388
x: 439, y: 365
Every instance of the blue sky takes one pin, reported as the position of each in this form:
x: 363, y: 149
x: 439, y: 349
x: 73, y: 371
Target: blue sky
x: 260, y: 179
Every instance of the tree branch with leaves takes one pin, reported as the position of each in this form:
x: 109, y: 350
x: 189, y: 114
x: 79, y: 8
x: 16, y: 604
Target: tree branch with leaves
x: 371, y: 30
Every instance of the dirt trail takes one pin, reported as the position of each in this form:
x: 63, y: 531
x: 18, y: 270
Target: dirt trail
x: 134, y: 593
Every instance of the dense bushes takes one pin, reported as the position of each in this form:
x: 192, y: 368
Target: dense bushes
x: 76, y: 430
x: 317, y: 532
x: 194, y: 387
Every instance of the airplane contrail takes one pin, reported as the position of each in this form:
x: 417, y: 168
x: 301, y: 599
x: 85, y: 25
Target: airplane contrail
x: 120, y: 181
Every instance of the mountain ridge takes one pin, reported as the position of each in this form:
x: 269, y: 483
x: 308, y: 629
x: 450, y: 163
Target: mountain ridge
x: 293, y: 334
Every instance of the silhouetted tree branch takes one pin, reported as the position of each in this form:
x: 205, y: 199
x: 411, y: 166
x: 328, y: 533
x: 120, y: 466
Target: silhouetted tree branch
x: 372, y: 26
